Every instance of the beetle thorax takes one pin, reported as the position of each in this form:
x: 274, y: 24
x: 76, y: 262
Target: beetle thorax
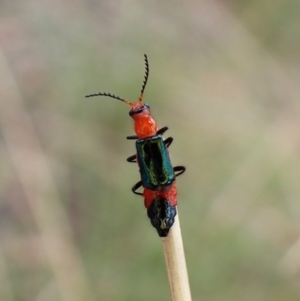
x: 144, y: 124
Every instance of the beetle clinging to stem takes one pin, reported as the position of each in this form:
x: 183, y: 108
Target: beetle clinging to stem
x: 157, y: 173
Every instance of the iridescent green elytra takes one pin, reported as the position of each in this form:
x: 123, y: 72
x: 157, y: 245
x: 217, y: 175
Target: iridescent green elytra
x: 155, y: 166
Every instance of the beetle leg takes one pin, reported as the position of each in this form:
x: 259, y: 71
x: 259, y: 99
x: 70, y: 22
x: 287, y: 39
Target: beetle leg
x: 168, y: 141
x: 131, y: 159
x: 162, y: 130
x: 132, y: 137
x: 180, y: 169
x: 136, y: 187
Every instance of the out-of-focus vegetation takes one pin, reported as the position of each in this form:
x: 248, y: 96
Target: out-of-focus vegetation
x: 224, y: 76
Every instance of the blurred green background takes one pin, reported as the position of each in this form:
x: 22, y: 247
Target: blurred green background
x: 224, y: 77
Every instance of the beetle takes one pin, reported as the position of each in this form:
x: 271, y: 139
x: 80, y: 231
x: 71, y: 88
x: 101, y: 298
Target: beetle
x: 155, y: 167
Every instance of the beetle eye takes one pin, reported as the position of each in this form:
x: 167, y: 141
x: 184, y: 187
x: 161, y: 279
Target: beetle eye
x: 139, y: 110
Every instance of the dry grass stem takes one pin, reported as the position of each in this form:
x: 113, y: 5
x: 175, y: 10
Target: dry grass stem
x: 176, y: 266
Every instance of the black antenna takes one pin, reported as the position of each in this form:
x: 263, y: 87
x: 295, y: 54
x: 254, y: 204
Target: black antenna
x: 122, y: 99
x: 145, y: 77
x: 109, y: 95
